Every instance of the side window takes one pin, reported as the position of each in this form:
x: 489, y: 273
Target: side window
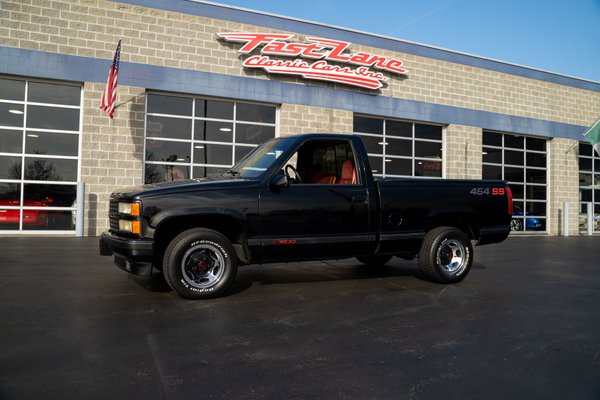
x: 323, y: 162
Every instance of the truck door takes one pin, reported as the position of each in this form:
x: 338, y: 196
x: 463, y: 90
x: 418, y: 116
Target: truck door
x: 323, y: 211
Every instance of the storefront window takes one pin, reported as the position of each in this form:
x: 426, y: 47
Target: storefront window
x: 522, y: 161
x: 401, y: 149
x: 39, y: 155
x: 194, y: 138
x: 589, y: 187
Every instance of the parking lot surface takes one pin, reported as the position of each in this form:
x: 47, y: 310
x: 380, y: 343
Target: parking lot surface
x: 524, y: 324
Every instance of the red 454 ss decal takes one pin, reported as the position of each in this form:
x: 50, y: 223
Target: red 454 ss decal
x: 496, y: 191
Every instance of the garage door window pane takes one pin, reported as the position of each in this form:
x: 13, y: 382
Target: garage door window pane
x: 398, y: 147
x: 50, y: 169
x: 398, y: 166
x: 219, y: 109
x: 55, y: 94
x: 11, y: 141
x: 11, y: 89
x: 172, y: 128
x: 40, y: 117
x: 207, y: 153
x: 368, y: 125
x: 373, y: 144
x: 161, y: 150
x: 255, y: 113
x: 514, y: 157
x: 428, y: 149
x: 516, y: 142
x: 398, y: 128
x: 492, y: 155
x: 11, y: 114
x: 253, y: 134
x: 492, y: 172
x: 428, y: 132
x: 10, y: 167
x: 169, y: 105
x: 56, y: 144
x: 55, y: 195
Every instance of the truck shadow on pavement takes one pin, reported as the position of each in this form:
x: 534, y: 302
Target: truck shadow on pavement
x: 303, y: 272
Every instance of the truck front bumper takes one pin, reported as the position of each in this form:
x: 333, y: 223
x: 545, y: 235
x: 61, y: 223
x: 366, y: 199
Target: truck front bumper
x: 132, y: 255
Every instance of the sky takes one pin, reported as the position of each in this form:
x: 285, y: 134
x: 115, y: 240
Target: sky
x: 556, y: 36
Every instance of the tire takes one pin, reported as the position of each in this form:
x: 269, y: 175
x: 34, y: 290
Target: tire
x: 515, y: 225
x: 200, y: 264
x: 374, y: 260
x: 446, y: 255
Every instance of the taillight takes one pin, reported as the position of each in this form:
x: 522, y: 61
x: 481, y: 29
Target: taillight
x: 510, y: 200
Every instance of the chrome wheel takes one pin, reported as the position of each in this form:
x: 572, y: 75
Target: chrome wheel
x: 202, y: 266
x: 451, y: 256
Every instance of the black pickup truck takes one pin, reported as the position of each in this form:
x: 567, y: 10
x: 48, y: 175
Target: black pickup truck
x: 300, y: 198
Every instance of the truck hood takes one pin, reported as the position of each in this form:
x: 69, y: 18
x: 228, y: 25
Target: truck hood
x: 182, y: 186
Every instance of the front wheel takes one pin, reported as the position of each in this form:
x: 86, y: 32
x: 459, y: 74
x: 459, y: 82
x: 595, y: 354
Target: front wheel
x: 200, y: 264
x: 446, y: 255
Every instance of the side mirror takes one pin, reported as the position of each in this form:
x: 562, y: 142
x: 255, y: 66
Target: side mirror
x: 278, y: 181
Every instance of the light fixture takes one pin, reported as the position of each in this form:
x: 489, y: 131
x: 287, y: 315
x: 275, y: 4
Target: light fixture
x: 225, y: 129
x: 14, y: 111
x: 388, y: 160
x: 32, y: 135
x: 382, y: 143
x: 198, y: 147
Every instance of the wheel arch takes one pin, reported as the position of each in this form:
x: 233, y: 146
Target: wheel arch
x: 466, y: 221
x: 226, y: 223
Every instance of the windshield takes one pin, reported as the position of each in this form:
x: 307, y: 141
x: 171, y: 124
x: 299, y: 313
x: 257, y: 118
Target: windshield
x: 261, y: 158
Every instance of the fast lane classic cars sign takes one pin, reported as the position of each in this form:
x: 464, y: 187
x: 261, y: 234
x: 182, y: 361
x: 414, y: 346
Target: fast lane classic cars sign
x: 314, y: 59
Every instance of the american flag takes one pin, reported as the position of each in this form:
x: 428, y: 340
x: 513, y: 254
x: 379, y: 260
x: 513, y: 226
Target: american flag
x: 109, y: 97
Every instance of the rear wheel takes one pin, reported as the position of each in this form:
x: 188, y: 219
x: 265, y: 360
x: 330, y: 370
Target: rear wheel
x: 446, y: 255
x: 199, y: 264
x: 374, y: 260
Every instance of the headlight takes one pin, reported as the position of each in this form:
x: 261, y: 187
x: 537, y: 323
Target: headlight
x: 133, y: 225
x: 132, y: 209
x: 130, y: 226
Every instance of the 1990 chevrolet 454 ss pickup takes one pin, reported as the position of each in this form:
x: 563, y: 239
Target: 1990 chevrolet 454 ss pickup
x: 300, y: 198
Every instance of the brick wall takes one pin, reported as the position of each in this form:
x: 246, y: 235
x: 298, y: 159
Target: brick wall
x: 294, y: 118
x: 563, y: 185
x: 111, y: 151
x: 462, y: 152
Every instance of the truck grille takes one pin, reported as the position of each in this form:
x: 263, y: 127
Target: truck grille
x: 113, y: 215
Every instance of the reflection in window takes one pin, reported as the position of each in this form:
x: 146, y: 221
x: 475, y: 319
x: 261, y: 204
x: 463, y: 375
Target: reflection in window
x: 51, y: 143
x: 400, y: 148
x: 39, y: 162
x: 50, y: 169
x: 66, y: 119
x: 12, y: 89
x: 181, y: 143
x: 11, y: 115
x: 54, y: 94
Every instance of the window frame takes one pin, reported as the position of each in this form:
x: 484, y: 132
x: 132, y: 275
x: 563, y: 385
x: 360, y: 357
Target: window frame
x: 525, y: 200
x: 414, y: 160
x: 23, y: 155
x: 191, y: 165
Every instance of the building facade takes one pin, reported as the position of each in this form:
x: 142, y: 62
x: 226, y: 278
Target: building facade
x: 201, y: 84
